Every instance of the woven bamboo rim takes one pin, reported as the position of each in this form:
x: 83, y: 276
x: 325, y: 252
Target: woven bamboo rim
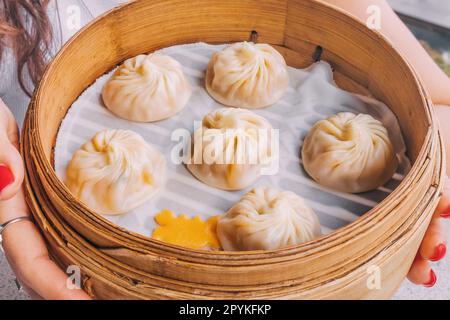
x: 119, y: 263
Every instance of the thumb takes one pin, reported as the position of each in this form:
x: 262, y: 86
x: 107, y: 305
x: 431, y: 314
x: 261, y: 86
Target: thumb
x: 11, y: 164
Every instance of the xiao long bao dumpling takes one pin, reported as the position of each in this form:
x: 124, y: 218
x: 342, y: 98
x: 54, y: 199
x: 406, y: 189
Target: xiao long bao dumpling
x: 247, y: 75
x: 147, y: 88
x: 349, y: 153
x: 267, y: 219
x: 230, y: 148
x: 116, y: 172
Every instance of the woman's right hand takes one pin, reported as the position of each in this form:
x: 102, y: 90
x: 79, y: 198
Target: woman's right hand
x: 23, y: 244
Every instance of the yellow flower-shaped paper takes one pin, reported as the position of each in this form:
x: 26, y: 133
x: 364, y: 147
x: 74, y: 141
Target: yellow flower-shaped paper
x: 187, y: 232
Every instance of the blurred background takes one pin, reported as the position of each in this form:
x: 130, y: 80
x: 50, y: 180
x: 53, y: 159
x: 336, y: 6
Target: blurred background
x: 429, y: 20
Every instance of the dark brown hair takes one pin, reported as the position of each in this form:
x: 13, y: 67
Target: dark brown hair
x: 26, y: 29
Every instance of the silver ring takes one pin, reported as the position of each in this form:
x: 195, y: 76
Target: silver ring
x: 8, y: 223
x: 2, y: 228
x: 12, y: 221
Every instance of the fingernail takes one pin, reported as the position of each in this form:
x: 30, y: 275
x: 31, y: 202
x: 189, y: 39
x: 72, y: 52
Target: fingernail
x: 439, y: 252
x: 432, y: 281
x: 6, y: 177
x: 446, y: 213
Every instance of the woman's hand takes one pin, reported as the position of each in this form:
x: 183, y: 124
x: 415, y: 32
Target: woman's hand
x: 24, y: 246
x: 434, y: 244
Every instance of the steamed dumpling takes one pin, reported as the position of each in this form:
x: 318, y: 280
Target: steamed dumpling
x: 115, y: 172
x: 267, y: 219
x: 229, y: 149
x: 247, y: 75
x: 349, y: 153
x: 147, y: 88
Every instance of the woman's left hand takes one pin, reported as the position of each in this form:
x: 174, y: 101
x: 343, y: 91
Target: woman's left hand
x: 24, y: 246
x: 434, y: 244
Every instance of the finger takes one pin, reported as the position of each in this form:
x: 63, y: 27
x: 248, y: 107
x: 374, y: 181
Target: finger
x: 421, y: 273
x: 11, y: 164
x: 9, y: 122
x: 13, y: 208
x: 11, y: 171
x: 28, y: 256
x: 434, y: 244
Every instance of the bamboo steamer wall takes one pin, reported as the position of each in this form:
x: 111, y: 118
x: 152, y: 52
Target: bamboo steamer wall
x: 117, y: 263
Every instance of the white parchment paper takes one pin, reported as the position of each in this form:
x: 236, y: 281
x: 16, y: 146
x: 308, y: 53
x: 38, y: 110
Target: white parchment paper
x: 312, y: 96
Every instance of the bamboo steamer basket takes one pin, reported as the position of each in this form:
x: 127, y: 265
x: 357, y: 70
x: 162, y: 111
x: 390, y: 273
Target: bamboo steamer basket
x: 117, y: 263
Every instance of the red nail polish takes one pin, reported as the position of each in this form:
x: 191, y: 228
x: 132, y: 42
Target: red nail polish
x: 439, y: 252
x: 6, y: 177
x: 432, y: 281
x: 446, y: 213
